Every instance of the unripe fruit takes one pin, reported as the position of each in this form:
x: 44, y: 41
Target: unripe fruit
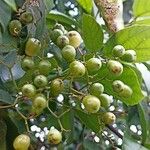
x: 69, y: 53
x: 105, y: 100
x: 118, y: 86
x: 77, y: 69
x: 55, y: 34
x: 74, y: 38
x: 62, y: 41
x: 40, y: 81
x: 91, y: 103
x: 28, y: 90
x: 27, y: 63
x: 93, y: 65
x: 33, y: 47
x: 56, y: 87
x: 26, y: 17
x: 60, y: 27
x: 115, y: 67
x: 54, y: 136
x: 44, y: 67
x: 96, y: 89
x: 129, y: 56
x: 15, y: 27
x: 39, y: 102
x: 126, y: 92
x: 21, y: 142
x: 109, y: 118
x: 118, y: 51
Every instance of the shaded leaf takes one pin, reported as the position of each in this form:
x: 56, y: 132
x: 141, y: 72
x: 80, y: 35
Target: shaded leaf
x: 11, y: 3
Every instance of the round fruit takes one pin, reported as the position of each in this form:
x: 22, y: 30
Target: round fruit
x: 105, y: 100
x: 129, y: 56
x: 40, y: 81
x: 21, y: 142
x: 44, y: 67
x: 55, y: 34
x: 60, y: 27
x: 96, y: 89
x: 69, y: 53
x: 15, y: 27
x: 74, y: 38
x: 29, y: 90
x: 93, y: 65
x: 33, y: 47
x: 126, y: 92
x: 39, y: 102
x: 115, y: 67
x: 91, y: 103
x: 62, y: 41
x: 77, y: 69
x: 118, y: 86
x: 26, y: 17
x: 56, y: 87
x: 27, y: 63
x: 108, y: 118
x: 54, y: 136
x: 118, y: 51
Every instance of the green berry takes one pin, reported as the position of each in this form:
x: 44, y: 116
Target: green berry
x: 77, y: 69
x: 118, y: 51
x: 69, y: 53
x: 96, y: 89
x: 62, y: 41
x: 117, y: 86
x: 55, y: 34
x: 29, y: 90
x: 74, y: 38
x: 59, y: 26
x: 26, y: 17
x: 93, y: 65
x: 126, y: 92
x: 40, y: 81
x: 27, y: 63
x: 44, y: 67
x: 129, y: 56
x: 115, y: 67
x: 15, y: 27
x: 105, y: 100
x: 91, y: 103
x: 108, y: 118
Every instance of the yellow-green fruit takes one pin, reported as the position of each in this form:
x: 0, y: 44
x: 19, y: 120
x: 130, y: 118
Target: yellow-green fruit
x: 118, y: 51
x: 69, y: 53
x: 108, y: 118
x: 115, y: 67
x: 126, y: 92
x: 93, y: 65
x: 33, y: 47
x: 77, y: 69
x: 118, y: 86
x: 56, y: 87
x: 91, y: 103
x: 15, y: 27
x: 28, y: 90
x: 62, y: 41
x: 27, y: 63
x: 21, y: 142
x: 55, y: 34
x: 105, y: 100
x: 129, y: 56
x: 40, y: 81
x: 26, y: 17
x: 74, y: 38
x: 44, y: 67
x: 60, y: 27
x: 96, y: 89
x: 54, y: 136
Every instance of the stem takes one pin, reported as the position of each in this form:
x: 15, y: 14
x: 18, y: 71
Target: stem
x: 77, y: 92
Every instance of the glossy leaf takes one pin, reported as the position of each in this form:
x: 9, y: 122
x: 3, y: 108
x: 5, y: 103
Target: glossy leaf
x: 92, y: 33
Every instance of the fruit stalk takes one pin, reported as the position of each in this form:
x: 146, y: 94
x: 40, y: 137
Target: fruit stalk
x: 112, y: 12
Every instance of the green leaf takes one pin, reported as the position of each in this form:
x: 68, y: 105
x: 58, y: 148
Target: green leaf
x: 92, y: 33
x: 11, y: 3
x: 62, y: 18
x: 86, y: 4
x: 130, y: 78
x: 90, y: 120
x: 129, y: 143
x: 141, y: 7
x: 6, y: 97
x: 49, y: 4
x: 134, y: 37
